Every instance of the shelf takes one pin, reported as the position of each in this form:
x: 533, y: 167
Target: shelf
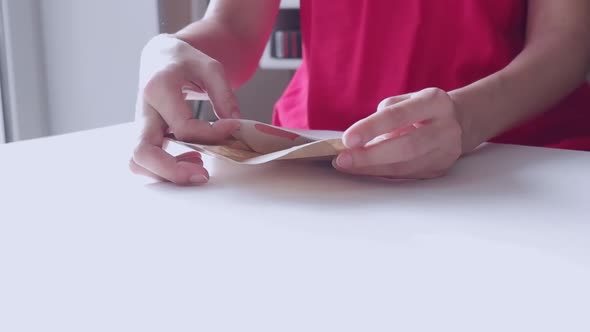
x: 268, y: 62
x: 290, y: 4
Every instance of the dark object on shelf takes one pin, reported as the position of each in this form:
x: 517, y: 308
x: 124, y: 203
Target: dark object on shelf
x: 286, y: 44
x: 285, y: 41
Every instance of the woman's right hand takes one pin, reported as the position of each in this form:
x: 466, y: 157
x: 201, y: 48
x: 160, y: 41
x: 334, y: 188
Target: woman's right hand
x: 170, y: 67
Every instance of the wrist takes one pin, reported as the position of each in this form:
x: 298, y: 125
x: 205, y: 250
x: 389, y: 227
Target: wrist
x: 470, y: 138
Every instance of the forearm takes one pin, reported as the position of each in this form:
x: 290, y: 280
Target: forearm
x: 233, y: 33
x: 218, y: 42
x: 546, y: 71
x: 554, y: 61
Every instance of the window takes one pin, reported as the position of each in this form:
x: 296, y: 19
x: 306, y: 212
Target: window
x: 21, y: 73
x: 2, y: 129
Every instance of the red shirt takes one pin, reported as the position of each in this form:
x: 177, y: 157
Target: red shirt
x: 358, y: 52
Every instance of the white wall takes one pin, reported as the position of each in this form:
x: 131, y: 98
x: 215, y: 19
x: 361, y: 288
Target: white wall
x: 91, y: 51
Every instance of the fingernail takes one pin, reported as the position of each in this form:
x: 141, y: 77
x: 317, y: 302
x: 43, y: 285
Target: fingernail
x: 236, y: 127
x: 344, y: 160
x: 198, y: 179
x: 352, y: 141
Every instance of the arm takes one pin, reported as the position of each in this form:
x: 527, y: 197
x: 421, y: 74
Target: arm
x: 424, y: 133
x: 555, y: 60
x: 234, y: 33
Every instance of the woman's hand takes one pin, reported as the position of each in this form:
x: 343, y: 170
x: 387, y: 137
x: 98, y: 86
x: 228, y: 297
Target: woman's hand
x: 169, y: 67
x: 414, y: 136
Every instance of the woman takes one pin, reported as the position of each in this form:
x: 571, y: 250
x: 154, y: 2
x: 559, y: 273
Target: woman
x: 431, y: 79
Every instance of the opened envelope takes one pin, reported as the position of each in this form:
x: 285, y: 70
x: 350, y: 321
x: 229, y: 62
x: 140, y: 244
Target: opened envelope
x: 258, y: 143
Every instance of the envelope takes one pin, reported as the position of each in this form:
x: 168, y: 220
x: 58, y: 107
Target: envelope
x: 258, y: 143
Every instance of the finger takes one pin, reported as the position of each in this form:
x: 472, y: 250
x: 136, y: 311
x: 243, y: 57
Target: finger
x: 170, y: 103
x: 392, y: 101
x: 136, y: 169
x: 191, y: 157
x: 394, y: 134
x: 405, y: 148
x: 391, y: 118
x: 150, y: 155
x: 415, y: 169
x: 215, y: 83
x: 194, y: 92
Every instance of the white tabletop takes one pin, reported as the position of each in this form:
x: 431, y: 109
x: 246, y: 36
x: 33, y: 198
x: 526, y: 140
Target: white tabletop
x: 501, y: 244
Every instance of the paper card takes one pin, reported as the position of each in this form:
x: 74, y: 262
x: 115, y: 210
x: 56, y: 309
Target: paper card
x: 258, y: 143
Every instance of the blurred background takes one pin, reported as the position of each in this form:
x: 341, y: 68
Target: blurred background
x: 71, y: 65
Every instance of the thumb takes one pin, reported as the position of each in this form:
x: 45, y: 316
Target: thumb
x: 387, y: 102
x: 216, y: 87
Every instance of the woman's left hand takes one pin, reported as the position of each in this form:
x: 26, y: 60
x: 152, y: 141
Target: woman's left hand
x: 414, y: 136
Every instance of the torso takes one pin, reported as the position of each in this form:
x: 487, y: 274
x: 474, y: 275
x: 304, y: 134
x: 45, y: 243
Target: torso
x: 358, y: 52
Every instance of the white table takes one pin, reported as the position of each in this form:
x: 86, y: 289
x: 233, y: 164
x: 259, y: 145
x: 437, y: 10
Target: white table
x: 501, y: 244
